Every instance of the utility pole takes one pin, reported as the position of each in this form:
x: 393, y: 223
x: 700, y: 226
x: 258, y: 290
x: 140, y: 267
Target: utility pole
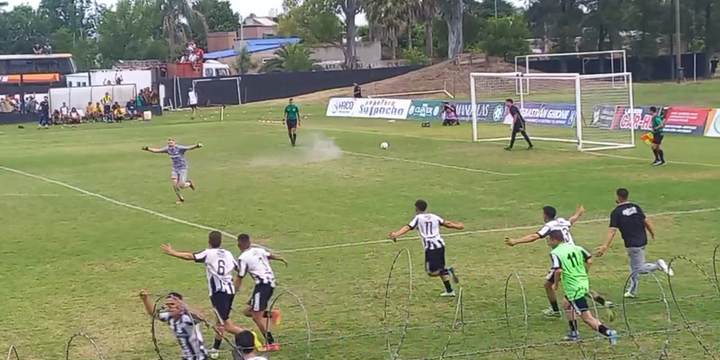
x: 680, y: 76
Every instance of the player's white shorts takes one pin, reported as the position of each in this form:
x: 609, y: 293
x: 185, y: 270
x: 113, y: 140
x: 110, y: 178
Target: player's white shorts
x: 180, y: 175
x: 550, y: 276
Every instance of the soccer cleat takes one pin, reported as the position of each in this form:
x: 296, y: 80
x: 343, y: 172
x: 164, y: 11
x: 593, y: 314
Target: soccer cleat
x: 657, y: 163
x: 275, y: 317
x: 272, y: 347
x: 214, y: 354
x: 665, y: 268
x: 180, y: 201
x: 551, y: 313
x: 448, y: 294
x: 613, y: 337
x: 530, y: 147
x: 454, y: 276
x: 192, y: 185
x: 573, y: 336
x: 629, y: 295
x: 662, y: 162
x: 508, y: 148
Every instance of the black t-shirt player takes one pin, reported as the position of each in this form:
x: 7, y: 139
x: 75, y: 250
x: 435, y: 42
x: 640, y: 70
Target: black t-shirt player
x: 518, y: 125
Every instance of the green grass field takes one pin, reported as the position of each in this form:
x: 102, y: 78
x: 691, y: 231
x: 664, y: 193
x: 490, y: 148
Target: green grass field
x: 84, y: 213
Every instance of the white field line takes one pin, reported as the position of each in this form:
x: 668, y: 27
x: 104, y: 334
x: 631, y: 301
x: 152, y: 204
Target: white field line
x: 41, y: 195
x: 484, y: 231
x: 429, y: 163
x: 648, y: 158
x: 116, y: 202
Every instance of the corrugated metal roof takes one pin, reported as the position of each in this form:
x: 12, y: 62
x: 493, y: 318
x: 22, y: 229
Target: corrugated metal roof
x: 253, y: 46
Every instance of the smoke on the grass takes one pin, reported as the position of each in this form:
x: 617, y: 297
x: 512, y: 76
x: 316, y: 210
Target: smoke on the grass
x: 312, y: 147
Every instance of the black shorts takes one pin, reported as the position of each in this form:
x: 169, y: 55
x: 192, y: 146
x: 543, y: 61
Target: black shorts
x: 107, y: 109
x: 657, y: 138
x: 261, y: 297
x: 291, y: 124
x: 194, y: 106
x: 434, y: 260
x: 551, y: 276
x: 222, y: 302
x: 580, y: 305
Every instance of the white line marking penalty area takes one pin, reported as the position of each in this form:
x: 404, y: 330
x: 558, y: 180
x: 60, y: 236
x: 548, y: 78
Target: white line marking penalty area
x: 120, y: 203
x: 485, y: 231
x: 429, y: 163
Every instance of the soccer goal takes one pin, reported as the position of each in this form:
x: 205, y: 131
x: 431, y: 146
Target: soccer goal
x: 563, y: 107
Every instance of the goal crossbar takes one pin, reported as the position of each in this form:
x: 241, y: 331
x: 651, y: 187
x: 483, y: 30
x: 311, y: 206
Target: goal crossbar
x: 583, y: 144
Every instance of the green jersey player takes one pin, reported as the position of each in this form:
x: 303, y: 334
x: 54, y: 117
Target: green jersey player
x: 571, y: 264
x: 292, y: 120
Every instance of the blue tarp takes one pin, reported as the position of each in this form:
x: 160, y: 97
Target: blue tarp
x: 253, y: 45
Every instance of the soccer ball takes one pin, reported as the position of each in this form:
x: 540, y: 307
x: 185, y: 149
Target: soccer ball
x: 384, y: 145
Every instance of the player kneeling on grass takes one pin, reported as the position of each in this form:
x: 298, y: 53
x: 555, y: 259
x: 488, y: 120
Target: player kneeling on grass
x: 184, y: 323
x: 571, y: 264
x: 178, y: 176
x: 256, y: 262
x: 428, y: 226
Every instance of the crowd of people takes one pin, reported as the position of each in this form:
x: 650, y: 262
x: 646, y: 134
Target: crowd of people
x: 193, y: 54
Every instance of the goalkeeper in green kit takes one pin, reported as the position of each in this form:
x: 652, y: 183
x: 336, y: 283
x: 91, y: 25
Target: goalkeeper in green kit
x: 571, y: 264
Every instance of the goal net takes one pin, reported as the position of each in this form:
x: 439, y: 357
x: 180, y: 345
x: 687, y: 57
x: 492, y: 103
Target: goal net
x: 562, y: 107
x: 584, y: 63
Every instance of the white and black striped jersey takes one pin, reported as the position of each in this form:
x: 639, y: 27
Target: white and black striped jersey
x: 558, y: 224
x: 219, y: 264
x: 187, y: 331
x: 428, y: 225
x: 255, y: 262
x: 256, y: 358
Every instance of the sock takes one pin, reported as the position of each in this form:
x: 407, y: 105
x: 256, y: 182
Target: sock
x: 554, y: 306
x: 270, y: 338
x: 448, y: 287
x: 177, y: 192
x: 187, y: 184
x: 216, y: 344
x: 662, y: 155
x: 603, y: 330
x: 573, y: 326
x: 655, y: 152
x: 290, y: 135
x: 294, y: 138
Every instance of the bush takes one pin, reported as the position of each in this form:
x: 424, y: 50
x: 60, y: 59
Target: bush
x: 414, y: 56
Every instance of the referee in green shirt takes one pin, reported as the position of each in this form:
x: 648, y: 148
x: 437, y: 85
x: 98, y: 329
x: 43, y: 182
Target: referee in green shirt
x: 292, y: 120
x: 658, y: 124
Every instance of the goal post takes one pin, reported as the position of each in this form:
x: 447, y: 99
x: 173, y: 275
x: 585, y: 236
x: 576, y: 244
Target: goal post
x: 562, y: 108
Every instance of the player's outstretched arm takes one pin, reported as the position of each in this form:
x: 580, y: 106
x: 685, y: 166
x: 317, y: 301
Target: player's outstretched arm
x: 196, y: 146
x: 278, y: 258
x: 167, y: 249
x: 523, y: 240
x: 580, y: 211
x: 611, y: 235
x: 403, y: 230
x: 453, y: 225
x: 146, y: 302
x: 153, y: 150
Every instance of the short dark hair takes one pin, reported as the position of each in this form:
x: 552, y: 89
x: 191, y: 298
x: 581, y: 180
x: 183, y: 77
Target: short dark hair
x: 421, y: 205
x: 549, y: 211
x: 653, y: 109
x: 215, y: 239
x: 622, y: 193
x: 509, y: 100
x: 245, y: 342
x: 556, y: 235
x: 243, y: 238
x: 174, y: 295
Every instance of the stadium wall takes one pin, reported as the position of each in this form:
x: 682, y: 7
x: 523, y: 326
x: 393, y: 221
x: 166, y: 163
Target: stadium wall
x: 261, y: 87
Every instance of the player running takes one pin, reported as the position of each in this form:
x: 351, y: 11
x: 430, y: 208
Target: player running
x: 428, y: 226
x: 562, y: 224
x: 184, y: 323
x: 219, y: 264
x: 178, y: 176
x: 255, y: 261
x: 571, y: 265
x: 292, y: 120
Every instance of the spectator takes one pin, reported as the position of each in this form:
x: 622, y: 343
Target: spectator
x: 6, y: 105
x: 44, y: 113
x: 107, y: 105
x: 118, y: 79
x: 74, y: 116
x: 713, y: 65
x: 130, y: 107
x: 90, y: 113
x: 138, y: 100
x: 37, y: 49
x: 47, y: 49
x: 64, y: 112
x: 119, y: 112
x: 32, y: 105
x: 357, y: 91
x: 56, y: 118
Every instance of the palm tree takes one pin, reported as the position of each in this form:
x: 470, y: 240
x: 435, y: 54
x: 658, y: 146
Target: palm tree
x: 386, y: 16
x: 426, y: 13
x: 291, y: 57
x: 244, y: 62
x: 176, y: 14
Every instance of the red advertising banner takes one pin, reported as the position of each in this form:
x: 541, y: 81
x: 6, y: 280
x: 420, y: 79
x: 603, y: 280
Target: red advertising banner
x: 686, y: 120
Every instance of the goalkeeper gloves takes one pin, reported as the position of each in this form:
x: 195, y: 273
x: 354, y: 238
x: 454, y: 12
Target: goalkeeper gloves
x: 145, y: 148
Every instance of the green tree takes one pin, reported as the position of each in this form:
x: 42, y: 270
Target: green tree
x: 291, y: 57
x: 22, y: 27
x: 133, y: 30
x: 244, y: 63
x: 176, y: 14
x: 413, y: 56
x: 314, y: 21
x: 217, y: 15
x: 505, y: 36
x: 387, y: 18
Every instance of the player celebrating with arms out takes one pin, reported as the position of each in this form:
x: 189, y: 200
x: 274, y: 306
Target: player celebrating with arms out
x: 178, y: 176
x: 428, y: 226
x: 292, y: 120
x: 256, y: 262
x: 219, y: 264
x: 571, y: 264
